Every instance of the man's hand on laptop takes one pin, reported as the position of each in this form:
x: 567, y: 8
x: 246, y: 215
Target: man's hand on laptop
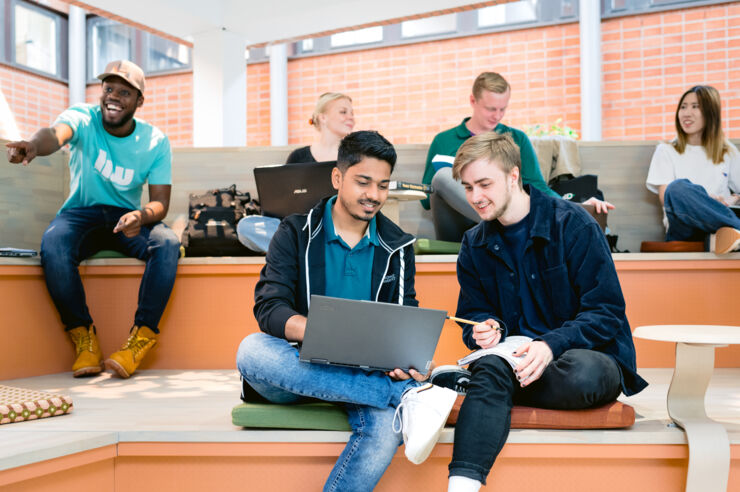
x: 295, y: 328
x: 402, y: 375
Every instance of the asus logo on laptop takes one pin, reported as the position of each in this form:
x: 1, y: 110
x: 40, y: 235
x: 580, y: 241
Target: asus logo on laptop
x: 300, y: 191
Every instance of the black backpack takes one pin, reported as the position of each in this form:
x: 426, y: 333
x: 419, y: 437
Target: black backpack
x: 212, y: 220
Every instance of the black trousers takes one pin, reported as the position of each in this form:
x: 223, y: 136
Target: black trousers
x: 577, y: 379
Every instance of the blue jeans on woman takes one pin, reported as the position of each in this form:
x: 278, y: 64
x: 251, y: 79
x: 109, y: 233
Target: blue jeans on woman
x: 577, y: 379
x: 78, y: 233
x: 693, y: 214
x: 271, y: 367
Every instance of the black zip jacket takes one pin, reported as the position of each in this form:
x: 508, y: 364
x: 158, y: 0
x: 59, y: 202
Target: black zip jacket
x: 295, y: 268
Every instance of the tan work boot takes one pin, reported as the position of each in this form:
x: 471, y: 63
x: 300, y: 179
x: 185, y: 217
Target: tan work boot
x: 89, y: 358
x: 125, y: 361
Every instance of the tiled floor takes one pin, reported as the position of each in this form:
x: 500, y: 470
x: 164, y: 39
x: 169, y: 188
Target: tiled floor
x: 194, y: 406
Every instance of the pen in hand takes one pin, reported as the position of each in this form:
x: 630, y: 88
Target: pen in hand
x: 468, y: 322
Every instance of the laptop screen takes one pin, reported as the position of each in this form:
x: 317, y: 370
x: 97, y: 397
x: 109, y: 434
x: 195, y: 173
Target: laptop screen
x: 293, y: 188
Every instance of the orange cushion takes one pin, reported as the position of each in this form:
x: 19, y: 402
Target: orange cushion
x: 614, y: 415
x: 672, y: 247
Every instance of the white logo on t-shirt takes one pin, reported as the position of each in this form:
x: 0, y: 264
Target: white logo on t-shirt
x: 116, y: 174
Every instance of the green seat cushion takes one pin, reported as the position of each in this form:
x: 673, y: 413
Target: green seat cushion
x: 424, y: 246
x: 107, y: 253
x: 314, y: 415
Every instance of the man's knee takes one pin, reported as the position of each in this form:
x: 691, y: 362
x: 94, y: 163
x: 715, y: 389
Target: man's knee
x: 164, y: 238
x: 590, y: 373
x: 490, y: 368
x: 443, y: 178
x: 56, y: 243
x: 258, y: 351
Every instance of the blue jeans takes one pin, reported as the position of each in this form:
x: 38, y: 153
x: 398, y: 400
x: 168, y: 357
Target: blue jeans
x: 256, y: 231
x: 78, y: 233
x: 693, y: 214
x: 270, y: 365
x: 577, y: 379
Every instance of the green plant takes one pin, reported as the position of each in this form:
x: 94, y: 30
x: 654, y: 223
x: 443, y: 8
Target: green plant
x: 556, y: 128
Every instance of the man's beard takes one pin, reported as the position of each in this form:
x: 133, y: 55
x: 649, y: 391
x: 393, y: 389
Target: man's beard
x: 498, y: 212
x: 363, y: 217
x: 124, y: 120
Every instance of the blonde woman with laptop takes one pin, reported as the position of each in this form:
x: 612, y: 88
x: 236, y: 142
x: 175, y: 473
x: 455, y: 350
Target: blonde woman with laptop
x: 333, y: 119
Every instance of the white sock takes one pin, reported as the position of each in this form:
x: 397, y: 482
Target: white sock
x: 463, y: 484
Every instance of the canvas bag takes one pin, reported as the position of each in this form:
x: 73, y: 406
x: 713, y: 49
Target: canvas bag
x: 212, y: 219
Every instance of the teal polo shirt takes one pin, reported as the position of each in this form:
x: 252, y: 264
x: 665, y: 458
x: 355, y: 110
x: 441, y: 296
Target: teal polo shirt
x: 348, y: 270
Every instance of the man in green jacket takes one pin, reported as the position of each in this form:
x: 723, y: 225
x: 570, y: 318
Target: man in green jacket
x: 450, y: 210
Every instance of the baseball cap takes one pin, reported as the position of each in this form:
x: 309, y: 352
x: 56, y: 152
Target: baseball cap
x: 128, y: 71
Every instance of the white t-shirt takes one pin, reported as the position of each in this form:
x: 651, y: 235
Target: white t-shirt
x: 718, y: 179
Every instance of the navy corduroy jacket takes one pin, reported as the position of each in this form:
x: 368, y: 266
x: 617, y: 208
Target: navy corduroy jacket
x: 570, y: 273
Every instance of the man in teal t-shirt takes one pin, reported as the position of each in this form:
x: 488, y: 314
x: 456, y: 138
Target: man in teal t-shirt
x: 451, y: 212
x: 112, y: 155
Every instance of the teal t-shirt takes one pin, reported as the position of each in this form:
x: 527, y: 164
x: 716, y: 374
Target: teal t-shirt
x: 109, y: 170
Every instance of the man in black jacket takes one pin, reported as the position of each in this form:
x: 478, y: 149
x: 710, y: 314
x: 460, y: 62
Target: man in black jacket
x: 537, y: 267
x: 346, y: 248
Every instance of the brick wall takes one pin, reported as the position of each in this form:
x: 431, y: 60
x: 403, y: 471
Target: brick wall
x: 411, y: 92
x: 168, y: 105
x: 258, y: 105
x: 27, y: 102
x: 650, y: 60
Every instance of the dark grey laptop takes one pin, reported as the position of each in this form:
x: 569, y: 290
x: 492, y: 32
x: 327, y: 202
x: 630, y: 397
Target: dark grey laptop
x: 371, y: 335
x: 293, y: 188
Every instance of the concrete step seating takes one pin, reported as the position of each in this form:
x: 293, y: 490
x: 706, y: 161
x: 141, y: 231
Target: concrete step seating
x: 170, y: 425
x: 171, y: 430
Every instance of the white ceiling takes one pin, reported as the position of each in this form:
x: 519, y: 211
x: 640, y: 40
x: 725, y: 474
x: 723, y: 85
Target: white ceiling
x: 263, y: 21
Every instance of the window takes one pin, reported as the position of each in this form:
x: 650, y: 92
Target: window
x: 428, y: 26
x: 612, y: 8
x: 109, y: 40
x: 359, y: 36
x: 163, y: 54
x: 307, y: 44
x: 36, y: 38
x: 508, y: 13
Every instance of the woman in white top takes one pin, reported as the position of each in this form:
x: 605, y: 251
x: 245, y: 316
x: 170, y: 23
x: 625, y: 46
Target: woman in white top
x: 697, y: 175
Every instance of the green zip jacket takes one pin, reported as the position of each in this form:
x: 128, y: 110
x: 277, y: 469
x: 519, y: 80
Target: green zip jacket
x: 444, y: 147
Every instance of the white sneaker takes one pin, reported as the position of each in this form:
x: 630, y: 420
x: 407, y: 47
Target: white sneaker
x: 421, y: 416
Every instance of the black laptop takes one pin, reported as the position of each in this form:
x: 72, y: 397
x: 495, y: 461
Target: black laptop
x: 370, y: 335
x: 17, y: 252
x: 293, y: 188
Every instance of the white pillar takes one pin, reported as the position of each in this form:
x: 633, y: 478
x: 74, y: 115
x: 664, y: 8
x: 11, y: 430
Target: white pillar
x: 591, y: 70
x: 279, y: 94
x: 219, y: 90
x: 77, y: 55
